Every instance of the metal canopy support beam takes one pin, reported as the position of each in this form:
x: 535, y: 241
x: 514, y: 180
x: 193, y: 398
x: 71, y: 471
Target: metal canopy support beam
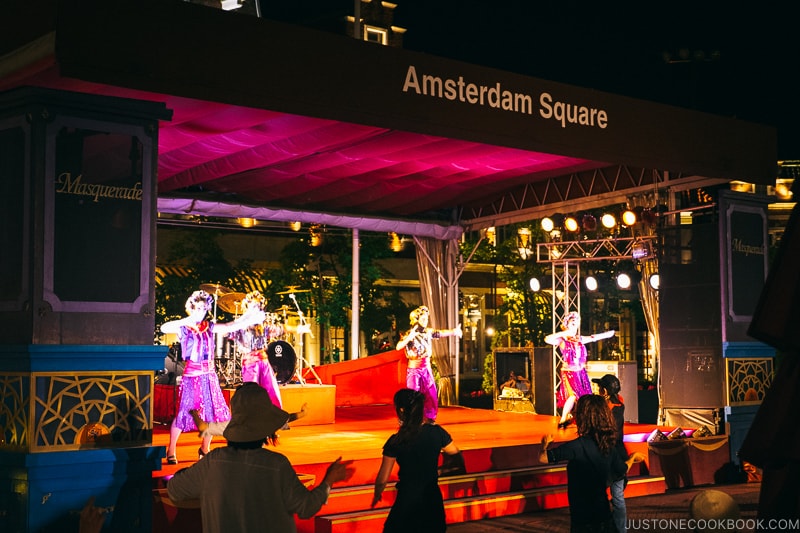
x: 578, y: 191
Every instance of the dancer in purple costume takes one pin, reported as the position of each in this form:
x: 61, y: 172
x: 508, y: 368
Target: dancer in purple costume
x: 199, y: 389
x: 252, y: 343
x: 574, y: 379
x: 417, y: 343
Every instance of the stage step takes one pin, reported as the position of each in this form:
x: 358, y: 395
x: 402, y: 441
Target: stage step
x: 469, y: 497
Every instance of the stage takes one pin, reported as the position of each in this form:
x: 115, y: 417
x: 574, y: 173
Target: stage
x: 500, y: 450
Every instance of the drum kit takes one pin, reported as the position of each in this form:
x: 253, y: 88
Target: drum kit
x: 281, y: 354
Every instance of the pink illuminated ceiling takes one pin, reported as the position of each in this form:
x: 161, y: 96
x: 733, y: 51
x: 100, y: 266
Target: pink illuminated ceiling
x: 288, y: 161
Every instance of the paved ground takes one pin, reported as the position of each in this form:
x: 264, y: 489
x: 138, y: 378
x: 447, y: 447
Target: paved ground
x: 656, y: 513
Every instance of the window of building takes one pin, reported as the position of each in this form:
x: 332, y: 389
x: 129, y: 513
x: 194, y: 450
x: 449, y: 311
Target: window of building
x: 376, y: 35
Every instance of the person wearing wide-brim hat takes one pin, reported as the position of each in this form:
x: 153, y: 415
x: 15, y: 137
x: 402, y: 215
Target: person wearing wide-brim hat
x: 246, y: 487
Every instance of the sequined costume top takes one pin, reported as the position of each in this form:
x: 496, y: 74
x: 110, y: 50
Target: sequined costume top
x: 197, y: 342
x: 574, y: 355
x: 419, y: 349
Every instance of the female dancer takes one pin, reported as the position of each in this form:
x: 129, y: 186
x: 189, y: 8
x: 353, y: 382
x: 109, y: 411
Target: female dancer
x: 574, y: 379
x: 417, y: 343
x: 415, y: 447
x: 252, y: 343
x: 199, y: 389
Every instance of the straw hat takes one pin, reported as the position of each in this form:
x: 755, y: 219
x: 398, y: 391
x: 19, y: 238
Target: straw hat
x: 715, y: 507
x: 253, y: 415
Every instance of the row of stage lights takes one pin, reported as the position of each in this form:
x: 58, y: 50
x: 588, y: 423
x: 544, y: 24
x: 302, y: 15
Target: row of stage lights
x: 588, y: 222
x: 624, y: 281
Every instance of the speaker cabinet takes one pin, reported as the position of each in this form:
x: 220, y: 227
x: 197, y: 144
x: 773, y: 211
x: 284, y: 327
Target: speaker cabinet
x: 692, y: 370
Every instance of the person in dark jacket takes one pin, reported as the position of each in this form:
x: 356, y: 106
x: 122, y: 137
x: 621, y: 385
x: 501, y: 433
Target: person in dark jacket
x: 609, y: 387
x: 593, y: 462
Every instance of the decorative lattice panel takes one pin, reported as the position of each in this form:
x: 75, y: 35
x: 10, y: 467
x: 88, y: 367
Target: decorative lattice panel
x: 15, y: 392
x: 72, y: 411
x: 748, y: 379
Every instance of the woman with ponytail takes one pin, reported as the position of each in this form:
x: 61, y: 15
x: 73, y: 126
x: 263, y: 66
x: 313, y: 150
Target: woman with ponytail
x: 415, y: 447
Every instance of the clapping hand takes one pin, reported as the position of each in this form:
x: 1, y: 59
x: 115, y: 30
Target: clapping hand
x: 339, y: 471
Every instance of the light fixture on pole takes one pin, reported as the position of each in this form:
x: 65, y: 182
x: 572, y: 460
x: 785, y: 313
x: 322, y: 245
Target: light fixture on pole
x: 535, y: 284
x: 524, y: 244
x: 591, y: 283
x: 395, y: 242
x: 655, y: 281
x: 315, y: 233
x: 623, y: 281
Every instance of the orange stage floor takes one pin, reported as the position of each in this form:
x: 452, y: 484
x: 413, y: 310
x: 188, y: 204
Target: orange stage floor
x: 359, y: 433
x: 492, y: 441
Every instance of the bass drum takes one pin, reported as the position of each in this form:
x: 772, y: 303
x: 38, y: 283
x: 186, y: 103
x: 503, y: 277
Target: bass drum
x: 282, y: 359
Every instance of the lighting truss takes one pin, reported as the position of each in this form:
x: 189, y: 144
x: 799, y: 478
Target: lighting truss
x: 617, y: 248
x: 566, y: 258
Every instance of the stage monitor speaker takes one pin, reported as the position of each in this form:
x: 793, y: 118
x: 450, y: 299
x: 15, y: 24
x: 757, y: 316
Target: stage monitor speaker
x: 626, y: 372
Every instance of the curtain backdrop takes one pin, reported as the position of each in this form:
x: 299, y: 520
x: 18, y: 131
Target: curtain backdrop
x: 649, y: 297
x: 438, y: 281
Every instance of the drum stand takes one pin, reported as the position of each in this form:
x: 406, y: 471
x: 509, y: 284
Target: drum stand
x: 302, y: 329
x: 229, y: 368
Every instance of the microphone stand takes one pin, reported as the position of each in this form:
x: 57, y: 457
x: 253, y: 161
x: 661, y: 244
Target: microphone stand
x: 302, y: 329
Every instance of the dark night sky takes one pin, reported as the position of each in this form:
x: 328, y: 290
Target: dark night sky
x: 615, y: 47
x: 751, y: 56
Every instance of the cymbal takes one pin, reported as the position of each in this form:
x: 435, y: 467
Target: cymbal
x: 231, y: 302
x: 291, y: 289
x: 215, y: 288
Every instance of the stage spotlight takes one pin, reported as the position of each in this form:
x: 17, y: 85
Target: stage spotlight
x: 623, y: 281
x: 591, y: 283
x: 655, y: 281
x: 648, y: 217
x: 608, y: 221
x: 628, y: 217
x: 588, y: 222
x: 295, y: 226
x: 535, y: 284
x: 571, y: 224
x: 548, y: 225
